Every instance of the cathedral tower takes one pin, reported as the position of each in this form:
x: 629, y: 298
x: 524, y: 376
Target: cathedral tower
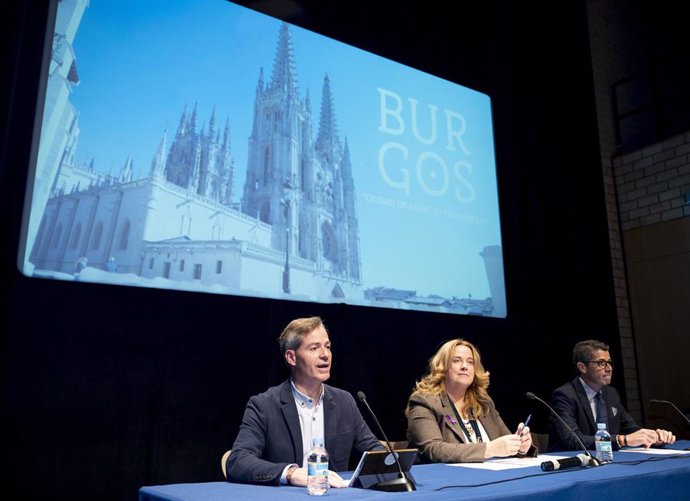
x: 202, y: 161
x: 300, y: 186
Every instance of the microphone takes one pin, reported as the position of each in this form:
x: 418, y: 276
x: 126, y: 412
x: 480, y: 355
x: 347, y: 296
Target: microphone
x: 655, y: 401
x: 402, y: 484
x: 561, y: 464
x: 592, y: 460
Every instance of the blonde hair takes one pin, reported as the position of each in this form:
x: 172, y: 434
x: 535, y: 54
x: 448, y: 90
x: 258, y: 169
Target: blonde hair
x: 433, y: 383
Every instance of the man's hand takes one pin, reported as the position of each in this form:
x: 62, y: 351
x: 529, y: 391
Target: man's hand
x: 336, y: 480
x: 299, y: 478
x: 664, y: 437
x: 642, y: 438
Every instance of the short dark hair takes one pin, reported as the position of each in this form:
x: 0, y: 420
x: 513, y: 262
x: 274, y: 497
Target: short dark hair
x: 291, y: 337
x: 583, y: 351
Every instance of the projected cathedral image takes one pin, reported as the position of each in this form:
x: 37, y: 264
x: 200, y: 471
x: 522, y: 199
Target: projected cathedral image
x: 281, y: 220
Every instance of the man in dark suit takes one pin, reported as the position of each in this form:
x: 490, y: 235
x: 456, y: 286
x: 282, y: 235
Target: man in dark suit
x: 282, y: 424
x: 589, y: 399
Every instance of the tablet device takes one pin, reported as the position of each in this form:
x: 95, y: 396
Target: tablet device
x: 379, y: 466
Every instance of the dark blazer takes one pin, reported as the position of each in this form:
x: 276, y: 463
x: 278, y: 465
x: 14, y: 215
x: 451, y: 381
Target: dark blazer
x: 433, y: 429
x: 270, y: 436
x: 571, y: 403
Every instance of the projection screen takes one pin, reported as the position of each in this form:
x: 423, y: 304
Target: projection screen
x: 202, y: 146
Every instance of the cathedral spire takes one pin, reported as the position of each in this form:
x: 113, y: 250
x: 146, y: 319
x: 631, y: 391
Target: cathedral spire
x: 226, y: 135
x: 346, y: 168
x: 212, y: 124
x: 181, y: 128
x: 127, y: 171
x: 257, y: 99
x: 327, y: 137
x: 158, y: 162
x: 260, y: 85
x: 284, y: 73
x: 193, y: 185
x: 192, y: 119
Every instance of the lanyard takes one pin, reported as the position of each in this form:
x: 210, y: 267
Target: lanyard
x: 473, y: 423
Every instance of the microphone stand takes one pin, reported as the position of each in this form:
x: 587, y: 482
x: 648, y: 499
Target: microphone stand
x: 592, y: 460
x: 402, y: 484
x: 655, y: 401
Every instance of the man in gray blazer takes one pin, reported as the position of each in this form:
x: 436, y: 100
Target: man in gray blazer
x: 280, y: 425
x: 589, y: 399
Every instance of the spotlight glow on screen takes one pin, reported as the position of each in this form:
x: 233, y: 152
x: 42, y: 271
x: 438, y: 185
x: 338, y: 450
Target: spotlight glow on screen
x: 200, y: 145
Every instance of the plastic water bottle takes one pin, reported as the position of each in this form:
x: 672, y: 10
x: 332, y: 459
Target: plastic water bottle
x: 317, y: 470
x: 602, y: 440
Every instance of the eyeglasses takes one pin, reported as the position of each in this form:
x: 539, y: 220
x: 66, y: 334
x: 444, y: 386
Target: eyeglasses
x: 601, y: 363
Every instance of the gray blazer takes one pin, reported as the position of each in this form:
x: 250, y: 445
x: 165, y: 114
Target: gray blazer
x: 433, y: 429
x: 270, y: 436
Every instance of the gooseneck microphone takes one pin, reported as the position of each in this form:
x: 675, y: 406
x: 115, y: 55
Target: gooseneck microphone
x: 591, y: 460
x: 561, y: 464
x: 655, y: 401
x: 402, y: 484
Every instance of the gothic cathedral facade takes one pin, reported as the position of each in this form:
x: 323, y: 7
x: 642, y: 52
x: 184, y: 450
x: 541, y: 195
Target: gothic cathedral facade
x: 294, y: 230
x: 299, y: 184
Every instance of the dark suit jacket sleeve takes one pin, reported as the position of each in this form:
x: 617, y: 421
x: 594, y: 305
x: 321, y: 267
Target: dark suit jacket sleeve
x: 365, y: 440
x: 621, y: 422
x: 628, y: 423
x: 346, y: 430
x: 567, y: 405
x: 246, y: 463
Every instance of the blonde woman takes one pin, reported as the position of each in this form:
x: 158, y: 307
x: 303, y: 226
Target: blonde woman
x: 452, y: 419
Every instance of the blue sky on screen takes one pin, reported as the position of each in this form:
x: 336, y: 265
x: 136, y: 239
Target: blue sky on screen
x: 140, y: 64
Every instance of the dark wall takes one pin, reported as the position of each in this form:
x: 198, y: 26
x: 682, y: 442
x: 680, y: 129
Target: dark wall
x: 107, y: 388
